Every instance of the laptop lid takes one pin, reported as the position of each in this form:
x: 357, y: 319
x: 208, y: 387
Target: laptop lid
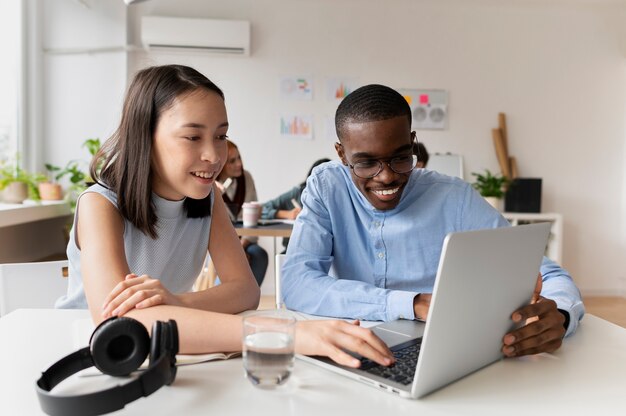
x: 483, y: 276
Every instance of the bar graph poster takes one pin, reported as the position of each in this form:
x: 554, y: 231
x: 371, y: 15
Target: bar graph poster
x: 297, y: 88
x: 338, y: 88
x: 296, y: 126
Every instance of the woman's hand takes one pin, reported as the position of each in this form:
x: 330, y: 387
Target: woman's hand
x: 136, y: 292
x: 331, y: 338
x: 288, y: 214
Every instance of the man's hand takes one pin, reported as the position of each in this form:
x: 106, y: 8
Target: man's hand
x: 543, y: 330
x: 421, y: 305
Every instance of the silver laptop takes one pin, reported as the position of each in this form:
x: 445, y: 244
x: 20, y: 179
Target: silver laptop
x: 483, y: 276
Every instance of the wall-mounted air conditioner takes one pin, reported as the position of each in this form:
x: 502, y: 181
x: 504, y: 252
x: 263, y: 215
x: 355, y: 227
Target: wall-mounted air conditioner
x: 222, y: 36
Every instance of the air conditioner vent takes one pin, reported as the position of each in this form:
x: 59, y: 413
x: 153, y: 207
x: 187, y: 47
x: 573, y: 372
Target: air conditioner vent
x: 209, y: 35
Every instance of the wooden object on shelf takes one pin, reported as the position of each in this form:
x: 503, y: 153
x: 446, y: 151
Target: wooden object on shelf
x: 503, y: 158
x: 503, y: 132
x: 513, y: 165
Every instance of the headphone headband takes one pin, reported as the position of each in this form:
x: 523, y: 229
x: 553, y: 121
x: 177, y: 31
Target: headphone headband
x: 162, y: 371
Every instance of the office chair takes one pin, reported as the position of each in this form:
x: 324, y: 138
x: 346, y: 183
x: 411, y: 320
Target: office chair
x: 207, y: 277
x: 31, y: 285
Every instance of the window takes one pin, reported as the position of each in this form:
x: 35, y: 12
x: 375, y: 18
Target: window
x: 10, y: 77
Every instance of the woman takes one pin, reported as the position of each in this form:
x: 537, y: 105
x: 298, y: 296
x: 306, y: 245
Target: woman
x: 237, y: 187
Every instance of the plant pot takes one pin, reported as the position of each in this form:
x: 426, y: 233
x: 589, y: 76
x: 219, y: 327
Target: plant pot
x: 494, y: 202
x: 15, y: 193
x: 50, y: 191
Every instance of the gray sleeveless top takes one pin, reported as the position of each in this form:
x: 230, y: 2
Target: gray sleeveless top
x: 175, y: 257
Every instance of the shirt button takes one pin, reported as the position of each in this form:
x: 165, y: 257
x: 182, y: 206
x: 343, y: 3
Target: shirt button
x: 376, y: 224
x: 381, y: 255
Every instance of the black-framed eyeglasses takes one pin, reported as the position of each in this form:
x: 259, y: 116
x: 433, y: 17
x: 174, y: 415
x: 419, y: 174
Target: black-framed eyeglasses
x: 371, y: 168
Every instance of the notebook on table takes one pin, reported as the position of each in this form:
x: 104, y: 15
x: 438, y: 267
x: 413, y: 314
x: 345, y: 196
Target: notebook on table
x: 483, y: 276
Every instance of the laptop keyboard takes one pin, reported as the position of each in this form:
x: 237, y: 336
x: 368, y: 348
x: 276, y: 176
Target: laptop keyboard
x: 403, y: 370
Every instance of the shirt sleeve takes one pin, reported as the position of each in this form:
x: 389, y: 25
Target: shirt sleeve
x: 281, y: 202
x: 559, y: 286
x: 306, y: 283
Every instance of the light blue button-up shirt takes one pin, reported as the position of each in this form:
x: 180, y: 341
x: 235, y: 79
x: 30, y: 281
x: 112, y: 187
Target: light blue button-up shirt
x: 347, y: 259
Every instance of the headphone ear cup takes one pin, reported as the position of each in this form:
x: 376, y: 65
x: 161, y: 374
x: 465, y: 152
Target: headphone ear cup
x: 170, y: 346
x: 173, y: 338
x: 156, y: 341
x: 119, y: 346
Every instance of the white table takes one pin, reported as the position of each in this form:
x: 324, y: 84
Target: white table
x: 587, y: 376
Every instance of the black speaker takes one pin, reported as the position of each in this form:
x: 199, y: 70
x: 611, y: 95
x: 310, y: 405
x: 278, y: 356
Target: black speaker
x: 523, y: 195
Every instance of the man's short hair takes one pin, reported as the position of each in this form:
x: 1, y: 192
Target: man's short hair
x: 372, y: 102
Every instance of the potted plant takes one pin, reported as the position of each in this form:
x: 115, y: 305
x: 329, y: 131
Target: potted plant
x: 79, y: 180
x: 50, y: 190
x: 491, y: 187
x: 17, y: 184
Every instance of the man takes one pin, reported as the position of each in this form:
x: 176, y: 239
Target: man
x: 379, y: 225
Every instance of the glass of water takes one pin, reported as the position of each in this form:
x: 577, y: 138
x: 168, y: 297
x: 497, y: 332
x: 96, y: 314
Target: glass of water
x: 268, y: 347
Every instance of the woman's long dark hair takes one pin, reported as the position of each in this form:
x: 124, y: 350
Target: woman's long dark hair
x: 126, y: 156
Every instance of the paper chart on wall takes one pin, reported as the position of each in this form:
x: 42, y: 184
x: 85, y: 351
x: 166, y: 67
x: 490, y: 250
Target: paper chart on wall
x: 296, y: 126
x: 296, y: 88
x: 339, y: 88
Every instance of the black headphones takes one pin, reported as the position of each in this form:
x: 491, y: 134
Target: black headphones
x: 117, y: 347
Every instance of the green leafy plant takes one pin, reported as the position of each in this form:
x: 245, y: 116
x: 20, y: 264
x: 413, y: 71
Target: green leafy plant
x: 77, y: 176
x: 12, y: 172
x: 79, y: 179
x: 488, y: 184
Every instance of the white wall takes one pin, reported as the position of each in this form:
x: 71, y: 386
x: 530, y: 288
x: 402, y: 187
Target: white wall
x: 556, y: 68
x: 83, y: 87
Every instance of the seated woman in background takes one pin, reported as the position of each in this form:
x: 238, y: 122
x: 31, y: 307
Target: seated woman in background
x: 283, y: 206
x: 237, y: 187
x: 420, y: 151
x: 288, y: 205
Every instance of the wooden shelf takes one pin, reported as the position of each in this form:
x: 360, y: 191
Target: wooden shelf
x: 15, y: 214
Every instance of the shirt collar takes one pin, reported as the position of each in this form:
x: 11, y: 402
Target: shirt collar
x: 166, y: 208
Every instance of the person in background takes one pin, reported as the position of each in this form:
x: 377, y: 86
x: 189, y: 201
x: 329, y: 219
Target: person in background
x: 237, y: 187
x: 379, y: 225
x: 140, y: 235
x: 288, y: 205
x: 420, y: 151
